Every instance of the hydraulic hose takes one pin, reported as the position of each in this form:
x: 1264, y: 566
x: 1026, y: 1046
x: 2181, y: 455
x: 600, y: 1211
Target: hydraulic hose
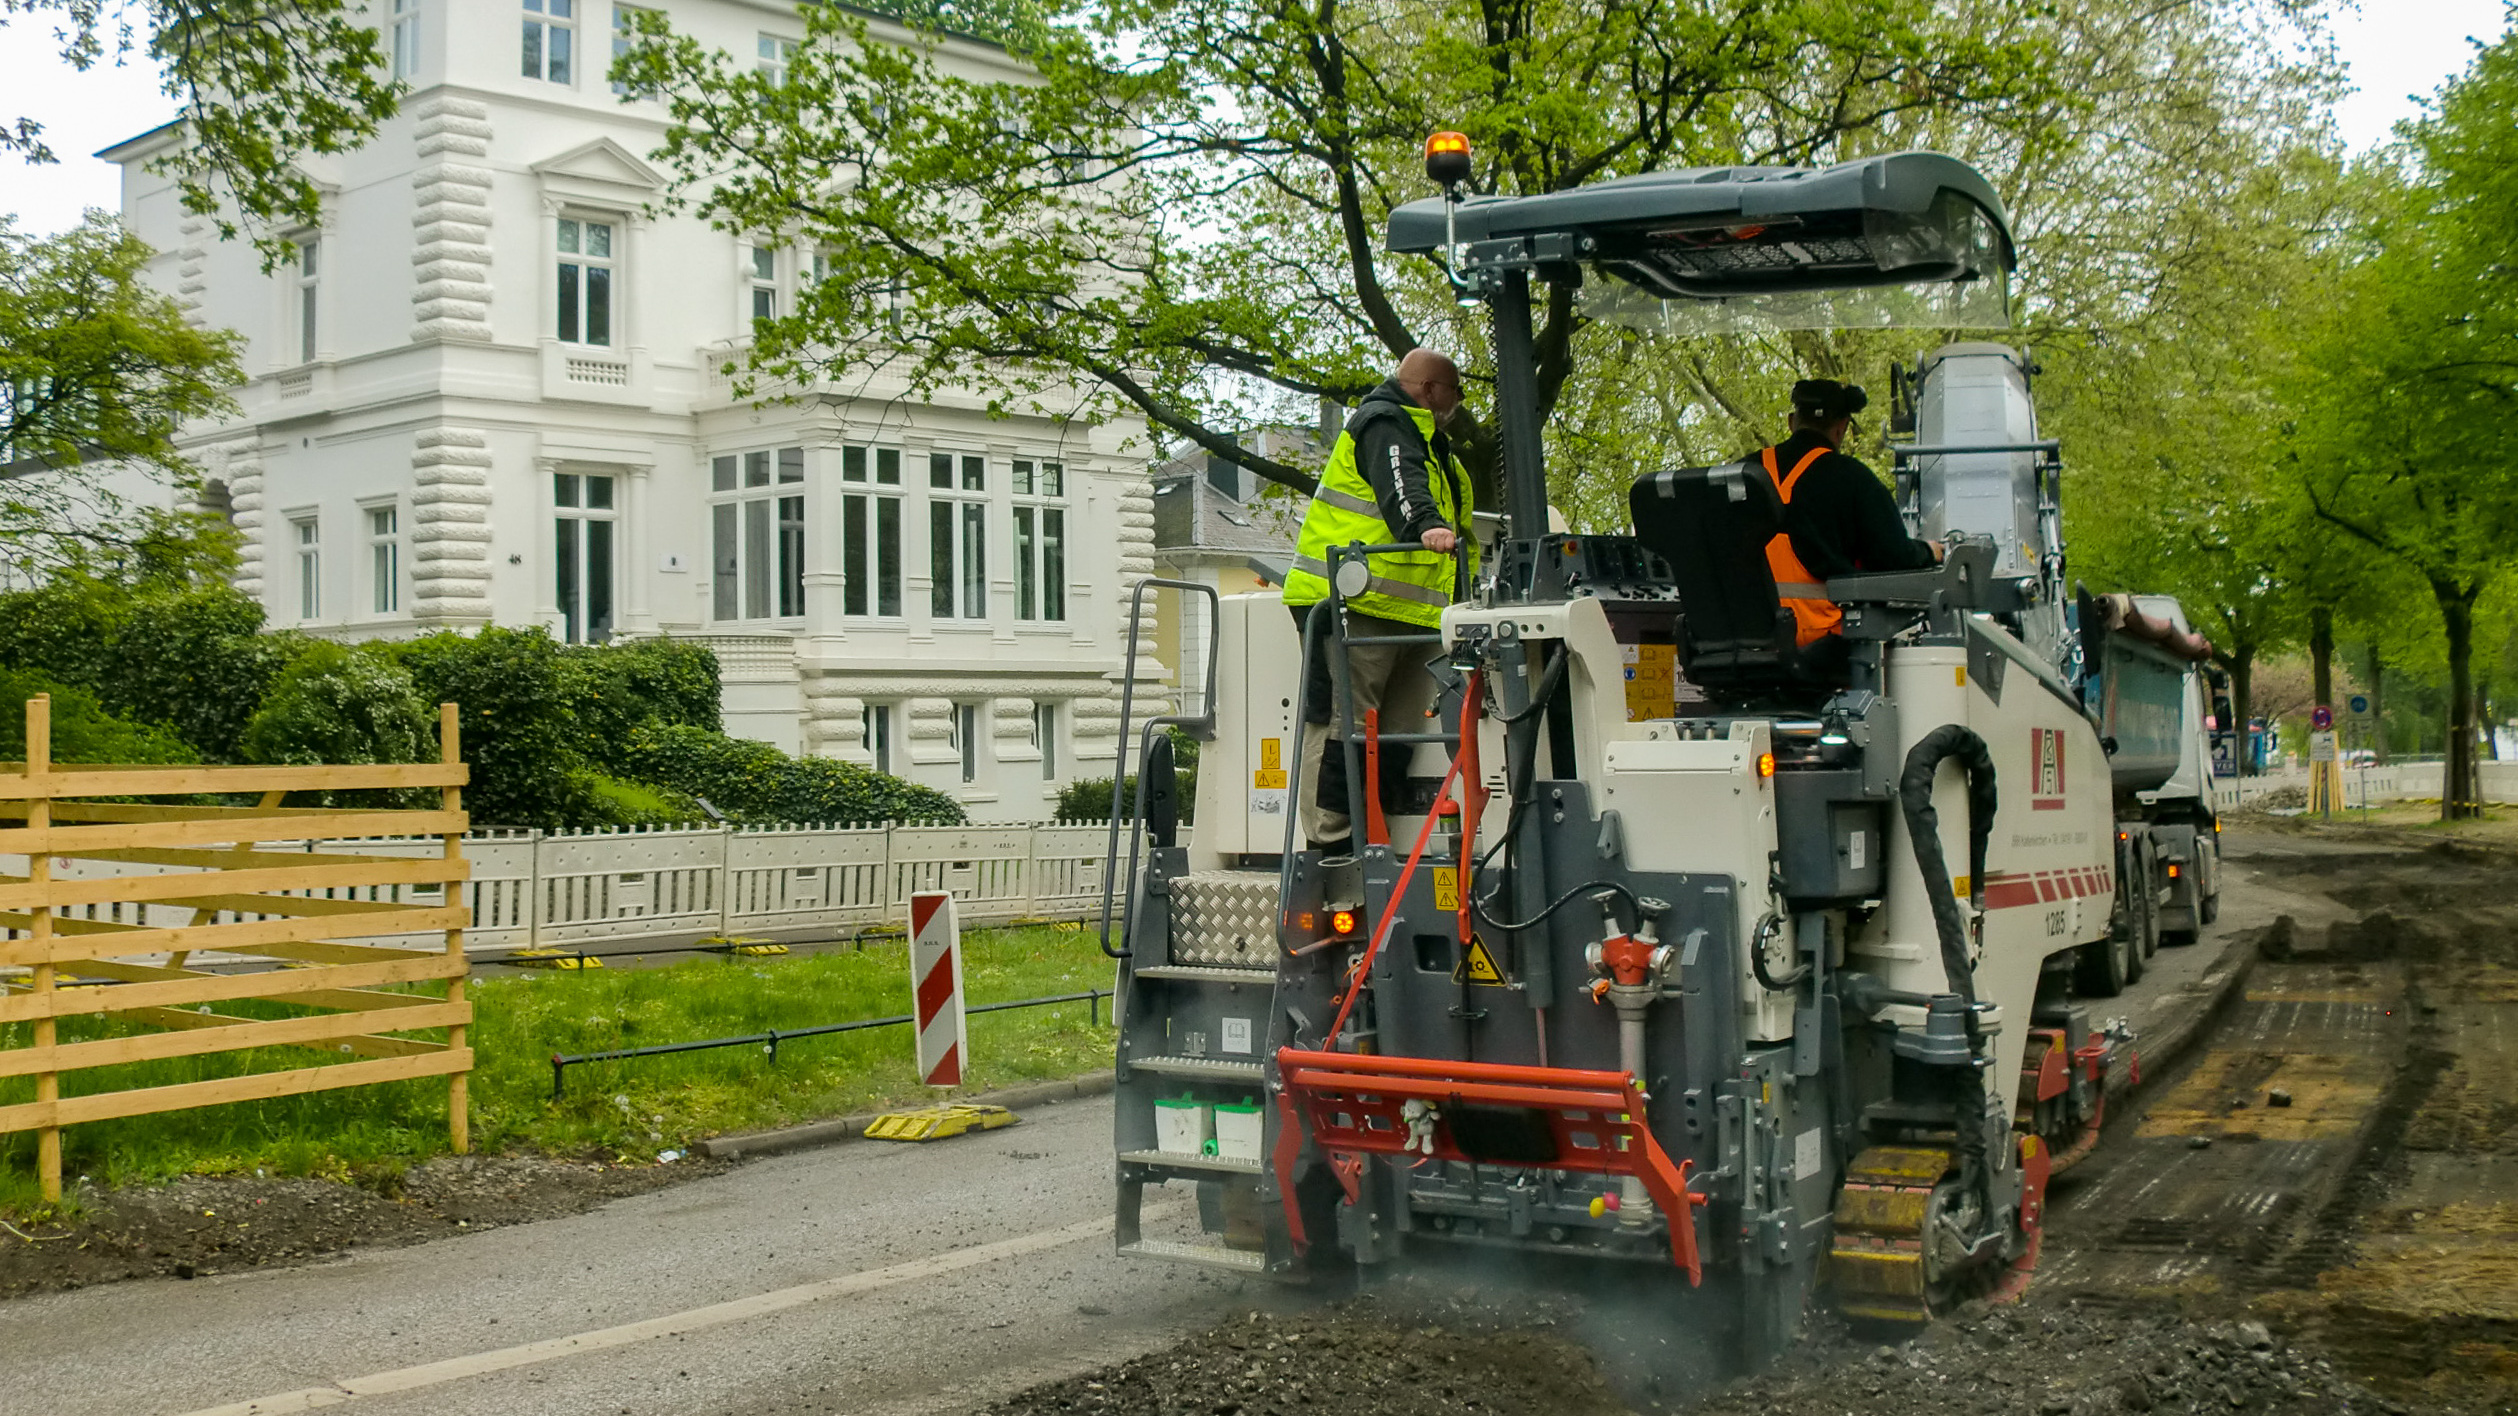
x: 1923, y: 831
x: 1561, y: 901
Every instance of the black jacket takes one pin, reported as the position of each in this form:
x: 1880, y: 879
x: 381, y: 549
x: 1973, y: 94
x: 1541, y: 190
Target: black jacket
x: 1842, y: 519
x: 1396, y: 462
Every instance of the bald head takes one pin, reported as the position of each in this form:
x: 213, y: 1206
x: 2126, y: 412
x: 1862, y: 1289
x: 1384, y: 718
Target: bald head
x: 1432, y: 380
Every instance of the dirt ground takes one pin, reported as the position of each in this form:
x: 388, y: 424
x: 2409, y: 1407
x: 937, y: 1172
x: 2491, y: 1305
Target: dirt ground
x: 2386, y: 1282
x: 203, y: 1225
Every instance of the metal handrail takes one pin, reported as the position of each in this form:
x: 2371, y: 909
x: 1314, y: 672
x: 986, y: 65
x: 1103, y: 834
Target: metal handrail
x: 1203, y: 725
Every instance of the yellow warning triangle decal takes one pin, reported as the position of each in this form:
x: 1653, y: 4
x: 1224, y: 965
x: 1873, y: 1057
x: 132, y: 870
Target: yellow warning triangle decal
x: 1477, y: 965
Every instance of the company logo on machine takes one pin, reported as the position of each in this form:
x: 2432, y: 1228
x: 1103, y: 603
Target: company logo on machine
x: 2045, y: 758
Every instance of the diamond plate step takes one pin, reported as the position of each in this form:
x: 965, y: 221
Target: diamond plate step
x: 1225, y: 917
x: 1207, y: 973
x: 1206, y: 1255
x: 1208, y: 1069
x: 1179, y: 1161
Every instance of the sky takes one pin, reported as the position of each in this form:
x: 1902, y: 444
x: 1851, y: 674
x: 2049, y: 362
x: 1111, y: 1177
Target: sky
x: 2395, y: 48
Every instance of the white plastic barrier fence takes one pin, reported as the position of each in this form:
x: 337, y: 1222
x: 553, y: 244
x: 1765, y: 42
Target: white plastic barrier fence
x: 604, y: 890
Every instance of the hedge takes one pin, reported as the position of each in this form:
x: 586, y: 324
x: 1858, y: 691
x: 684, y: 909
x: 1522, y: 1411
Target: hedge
x: 754, y: 781
x: 82, y: 729
x: 345, y: 706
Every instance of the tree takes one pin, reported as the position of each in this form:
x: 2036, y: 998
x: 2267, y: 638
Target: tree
x: 1178, y: 213
x: 263, y: 84
x: 95, y: 367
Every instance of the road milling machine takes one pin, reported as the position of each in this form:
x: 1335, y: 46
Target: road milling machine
x: 1664, y: 943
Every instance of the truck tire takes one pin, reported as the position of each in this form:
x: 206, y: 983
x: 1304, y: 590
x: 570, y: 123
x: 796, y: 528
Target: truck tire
x: 2208, y: 907
x: 2105, y: 966
x: 2151, y: 910
x: 2141, y: 919
x: 2098, y: 967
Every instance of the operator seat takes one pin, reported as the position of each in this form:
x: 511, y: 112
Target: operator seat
x: 1737, y: 642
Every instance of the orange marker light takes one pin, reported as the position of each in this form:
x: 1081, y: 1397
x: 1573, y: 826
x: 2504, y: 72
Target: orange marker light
x: 1766, y: 764
x: 1447, y: 159
x: 1341, y: 922
x: 2176, y: 870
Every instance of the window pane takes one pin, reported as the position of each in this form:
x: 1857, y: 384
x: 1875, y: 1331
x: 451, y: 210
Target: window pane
x: 559, y: 8
x: 852, y: 464
x: 568, y: 303
x: 940, y: 557
x: 756, y: 469
x: 940, y: 469
x: 974, y: 560
x: 533, y: 50
x: 967, y: 716
x: 887, y: 554
x: 598, y: 305
x: 306, y: 323
x: 853, y: 555
x: 1053, y: 480
x: 757, y: 564
x: 558, y: 42
x: 722, y: 562
x: 380, y: 521
x: 764, y: 304
x: 598, y: 239
x: 384, y: 569
x: 791, y: 555
x: 721, y: 474
x: 568, y: 236
x: 1026, y: 603
x: 791, y: 464
x: 1045, y: 732
x: 1022, y: 477
x: 887, y: 465
x: 599, y: 493
x: 598, y: 581
x: 563, y: 489
x: 571, y: 576
x: 974, y: 474
x: 764, y: 263
x: 1053, y: 564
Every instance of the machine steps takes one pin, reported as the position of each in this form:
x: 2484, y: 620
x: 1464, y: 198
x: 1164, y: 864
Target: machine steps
x: 1208, y: 973
x: 1214, y: 1256
x: 1203, y: 1069
x: 1179, y: 1160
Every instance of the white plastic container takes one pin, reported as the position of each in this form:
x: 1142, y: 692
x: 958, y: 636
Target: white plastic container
x: 1238, y: 1129
x: 1182, y: 1125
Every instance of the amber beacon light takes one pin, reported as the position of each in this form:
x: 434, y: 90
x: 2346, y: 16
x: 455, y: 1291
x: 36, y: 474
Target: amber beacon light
x: 1447, y: 158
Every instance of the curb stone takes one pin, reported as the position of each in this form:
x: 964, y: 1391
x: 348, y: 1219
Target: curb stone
x: 847, y: 1128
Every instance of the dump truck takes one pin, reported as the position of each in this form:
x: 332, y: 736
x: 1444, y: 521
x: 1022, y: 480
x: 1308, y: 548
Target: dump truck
x: 1664, y: 945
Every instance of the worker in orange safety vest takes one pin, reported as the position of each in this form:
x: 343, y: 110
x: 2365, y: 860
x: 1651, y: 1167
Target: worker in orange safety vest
x: 1839, y: 519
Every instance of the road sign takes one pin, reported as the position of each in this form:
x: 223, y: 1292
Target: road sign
x: 2358, y: 703
x: 2321, y: 747
x: 2321, y: 717
x: 935, y: 981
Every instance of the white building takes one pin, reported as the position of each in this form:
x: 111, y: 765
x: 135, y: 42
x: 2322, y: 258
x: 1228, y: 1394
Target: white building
x: 486, y: 391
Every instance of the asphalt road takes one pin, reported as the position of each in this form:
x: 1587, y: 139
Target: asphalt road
x: 863, y: 1278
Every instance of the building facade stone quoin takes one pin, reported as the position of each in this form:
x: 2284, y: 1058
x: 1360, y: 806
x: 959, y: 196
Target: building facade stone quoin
x: 487, y: 390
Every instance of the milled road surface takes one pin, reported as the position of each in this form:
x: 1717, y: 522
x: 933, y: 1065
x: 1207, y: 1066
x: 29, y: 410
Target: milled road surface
x: 863, y: 1278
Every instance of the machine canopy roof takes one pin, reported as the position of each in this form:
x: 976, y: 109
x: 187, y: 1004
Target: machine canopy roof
x: 1905, y: 239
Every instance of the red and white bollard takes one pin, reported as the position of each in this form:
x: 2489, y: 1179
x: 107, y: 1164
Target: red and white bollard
x: 935, y: 980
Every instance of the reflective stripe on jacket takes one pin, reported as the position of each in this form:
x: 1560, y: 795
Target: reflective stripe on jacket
x: 1814, y: 615
x: 1411, y: 587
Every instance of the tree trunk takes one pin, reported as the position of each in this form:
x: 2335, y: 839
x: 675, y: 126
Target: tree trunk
x: 2321, y: 655
x: 2459, y: 797
x: 2378, y: 701
x: 2242, y: 702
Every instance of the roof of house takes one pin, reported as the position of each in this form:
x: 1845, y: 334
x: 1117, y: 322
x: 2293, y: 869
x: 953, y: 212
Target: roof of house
x: 1192, y: 514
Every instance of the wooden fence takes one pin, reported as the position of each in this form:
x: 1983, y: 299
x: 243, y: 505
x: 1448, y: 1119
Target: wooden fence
x: 193, y: 883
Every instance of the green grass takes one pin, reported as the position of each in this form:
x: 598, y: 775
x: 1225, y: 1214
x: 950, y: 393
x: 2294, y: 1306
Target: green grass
x: 626, y: 1110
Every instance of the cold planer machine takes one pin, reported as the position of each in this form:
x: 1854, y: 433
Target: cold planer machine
x: 1767, y: 986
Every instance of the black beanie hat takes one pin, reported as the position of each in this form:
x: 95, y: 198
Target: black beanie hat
x: 1826, y: 400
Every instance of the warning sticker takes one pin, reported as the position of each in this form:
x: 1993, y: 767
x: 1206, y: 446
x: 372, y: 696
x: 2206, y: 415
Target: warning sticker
x: 1446, y: 887
x: 1477, y: 965
x: 1268, y: 780
x: 1271, y: 755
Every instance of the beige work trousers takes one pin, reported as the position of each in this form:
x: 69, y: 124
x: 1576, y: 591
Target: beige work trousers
x: 1388, y: 677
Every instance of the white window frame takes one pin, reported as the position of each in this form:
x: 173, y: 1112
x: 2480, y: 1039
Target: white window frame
x: 756, y: 518
x: 957, y: 536
x: 574, y: 279
x: 575, y: 586
x: 1036, y: 556
x: 549, y: 41
x: 873, y: 510
x: 384, y: 556
x: 306, y: 298
x: 961, y: 729
x: 760, y: 283
x: 405, y: 39
x: 1045, y: 736
x: 878, y: 720
x: 306, y: 540
x: 622, y: 37
x: 774, y: 53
